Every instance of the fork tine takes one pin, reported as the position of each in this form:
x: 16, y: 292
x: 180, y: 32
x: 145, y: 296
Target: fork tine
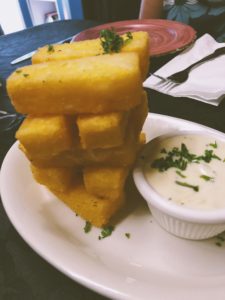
x: 163, y: 79
x: 167, y: 85
x: 158, y: 76
x: 164, y: 84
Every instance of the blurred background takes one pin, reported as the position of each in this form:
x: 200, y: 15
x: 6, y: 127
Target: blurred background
x: 16, y: 15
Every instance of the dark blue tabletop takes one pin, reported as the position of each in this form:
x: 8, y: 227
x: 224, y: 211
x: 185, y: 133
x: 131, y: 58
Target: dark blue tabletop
x: 23, y: 274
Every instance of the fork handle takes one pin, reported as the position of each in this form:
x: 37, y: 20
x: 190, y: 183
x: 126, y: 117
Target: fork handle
x: 216, y: 53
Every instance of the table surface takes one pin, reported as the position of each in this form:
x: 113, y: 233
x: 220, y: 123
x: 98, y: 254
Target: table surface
x: 23, y: 273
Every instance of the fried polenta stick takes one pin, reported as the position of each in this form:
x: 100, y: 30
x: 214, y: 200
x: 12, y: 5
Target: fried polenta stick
x: 47, y: 134
x: 109, y: 130
x: 102, y: 131
x: 100, y: 84
x: 38, y: 143
x: 117, y: 156
x: 105, y: 182
x: 96, y: 210
x: 138, y: 44
x: 67, y: 185
x: 59, y: 179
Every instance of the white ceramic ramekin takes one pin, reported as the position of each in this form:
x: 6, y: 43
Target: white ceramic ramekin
x: 178, y: 220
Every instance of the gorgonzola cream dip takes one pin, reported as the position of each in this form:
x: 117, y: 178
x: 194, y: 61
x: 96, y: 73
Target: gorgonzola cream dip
x: 188, y: 170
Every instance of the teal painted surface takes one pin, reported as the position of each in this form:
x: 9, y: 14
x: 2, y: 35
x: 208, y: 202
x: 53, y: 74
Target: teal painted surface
x: 76, y: 9
x: 26, y: 13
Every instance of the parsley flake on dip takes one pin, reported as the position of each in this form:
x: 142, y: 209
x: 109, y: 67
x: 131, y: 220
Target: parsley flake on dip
x: 188, y: 170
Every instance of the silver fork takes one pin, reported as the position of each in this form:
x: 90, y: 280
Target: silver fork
x: 166, y: 84
x: 182, y: 76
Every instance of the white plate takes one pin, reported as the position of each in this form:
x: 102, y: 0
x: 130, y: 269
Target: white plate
x: 152, y: 264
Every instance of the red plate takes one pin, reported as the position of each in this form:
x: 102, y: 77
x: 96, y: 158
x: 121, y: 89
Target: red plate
x: 166, y: 36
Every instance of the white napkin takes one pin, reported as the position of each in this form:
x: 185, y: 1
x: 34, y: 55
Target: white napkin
x: 206, y: 82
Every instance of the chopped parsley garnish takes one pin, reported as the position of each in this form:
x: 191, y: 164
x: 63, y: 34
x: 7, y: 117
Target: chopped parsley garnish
x: 129, y: 37
x: 163, y: 150
x: 180, y: 157
x: 25, y: 75
x: 177, y: 158
x: 207, y: 178
x: 87, y: 227
x: 214, y: 145
x: 127, y: 235
x: 112, y: 42
x: 185, y: 184
x: 180, y: 174
x: 51, y: 48
x: 221, y: 238
x: 209, y: 155
x: 106, y: 231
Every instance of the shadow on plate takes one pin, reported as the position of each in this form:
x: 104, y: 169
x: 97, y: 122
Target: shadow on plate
x: 135, y: 204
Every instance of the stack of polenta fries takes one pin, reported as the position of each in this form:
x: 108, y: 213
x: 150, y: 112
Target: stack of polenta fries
x: 85, y: 112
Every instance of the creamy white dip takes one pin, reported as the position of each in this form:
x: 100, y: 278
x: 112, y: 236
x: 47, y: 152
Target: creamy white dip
x: 205, y: 180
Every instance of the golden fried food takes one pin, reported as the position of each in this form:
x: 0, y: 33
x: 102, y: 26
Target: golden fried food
x: 123, y: 155
x: 46, y: 135
x: 58, y: 179
x: 97, y: 211
x: 139, y: 44
x: 105, y: 182
x: 85, y: 115
x: 100, y: 84
x: 51, y: 142
x: 138, y: 115
x: 102, y: 131
x: 142, y: 139
x: 108, y: 130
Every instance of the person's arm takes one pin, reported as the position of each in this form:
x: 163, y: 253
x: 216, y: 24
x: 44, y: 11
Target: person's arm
x: 151, y: 9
